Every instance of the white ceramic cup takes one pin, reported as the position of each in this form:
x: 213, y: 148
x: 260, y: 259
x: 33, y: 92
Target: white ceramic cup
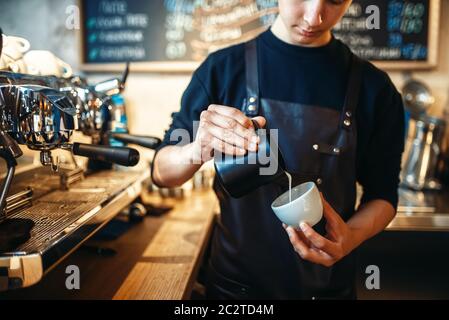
x: 306, y: 205
x: 12, y: 53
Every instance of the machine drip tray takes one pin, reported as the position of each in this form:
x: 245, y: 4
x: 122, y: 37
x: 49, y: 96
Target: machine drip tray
x: 63, y: 220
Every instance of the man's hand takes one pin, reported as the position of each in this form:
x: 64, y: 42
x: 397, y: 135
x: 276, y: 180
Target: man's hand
x: 311, y: 246
x: 221, y: 128
x: 224, y: 129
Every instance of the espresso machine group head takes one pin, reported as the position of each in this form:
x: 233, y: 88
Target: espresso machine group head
x: 94, y: 104
x: 39, y: 117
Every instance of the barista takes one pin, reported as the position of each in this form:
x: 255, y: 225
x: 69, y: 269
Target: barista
x: 340, y: 121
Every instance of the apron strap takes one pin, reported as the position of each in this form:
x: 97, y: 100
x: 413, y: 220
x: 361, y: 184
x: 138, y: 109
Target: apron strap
x: 352, y: 93
x: 251, y: 104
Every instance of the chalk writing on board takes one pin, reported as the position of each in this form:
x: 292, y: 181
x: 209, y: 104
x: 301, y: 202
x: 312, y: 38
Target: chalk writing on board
x: 188, y: 30
x: 207, y: 26
x: 402, y: 34
x: 114, y: 33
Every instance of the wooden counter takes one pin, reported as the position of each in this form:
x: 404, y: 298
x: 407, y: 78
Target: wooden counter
x: 169, y: 264
x: 158, y: 258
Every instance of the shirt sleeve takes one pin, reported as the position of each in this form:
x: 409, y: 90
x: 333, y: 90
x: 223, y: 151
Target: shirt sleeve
x: 380, y: 165
x: 194, y: 100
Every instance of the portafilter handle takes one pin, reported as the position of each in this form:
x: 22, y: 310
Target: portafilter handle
x: 120, y: 155
x: 144, y: 141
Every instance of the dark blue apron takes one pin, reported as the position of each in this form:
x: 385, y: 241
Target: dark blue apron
x: 251, y: 255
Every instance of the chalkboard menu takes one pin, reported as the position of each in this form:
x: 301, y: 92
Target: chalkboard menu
x: 176, y: 35
x: 392, y: 31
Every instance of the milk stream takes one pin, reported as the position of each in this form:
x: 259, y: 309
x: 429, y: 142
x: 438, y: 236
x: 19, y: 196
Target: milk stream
x: 289, y: 176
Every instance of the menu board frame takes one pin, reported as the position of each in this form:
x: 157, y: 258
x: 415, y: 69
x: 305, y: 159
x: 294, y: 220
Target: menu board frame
x: 190, y: 66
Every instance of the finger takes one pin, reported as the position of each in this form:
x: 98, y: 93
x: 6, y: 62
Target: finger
x: 329, y: 213
x: 302, y: 236
x: 232, y: 138
x: 331, y: 233
x: 323, y: 258
x: 317, y: 240
x: 332, y: 225
x: 225, y: 148
x: 261, y: 121
x: 232, y: 113
x: 307, y: 253
x: 300, y: 247
x: 230, y: 124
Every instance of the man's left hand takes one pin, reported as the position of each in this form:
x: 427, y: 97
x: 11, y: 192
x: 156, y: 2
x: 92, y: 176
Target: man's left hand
x: 312, y: 246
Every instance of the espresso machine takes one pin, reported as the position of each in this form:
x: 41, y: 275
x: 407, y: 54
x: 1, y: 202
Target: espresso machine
x: 37, y: 232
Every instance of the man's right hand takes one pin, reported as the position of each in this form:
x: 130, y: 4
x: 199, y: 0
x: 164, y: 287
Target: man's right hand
x: 226, y: 130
